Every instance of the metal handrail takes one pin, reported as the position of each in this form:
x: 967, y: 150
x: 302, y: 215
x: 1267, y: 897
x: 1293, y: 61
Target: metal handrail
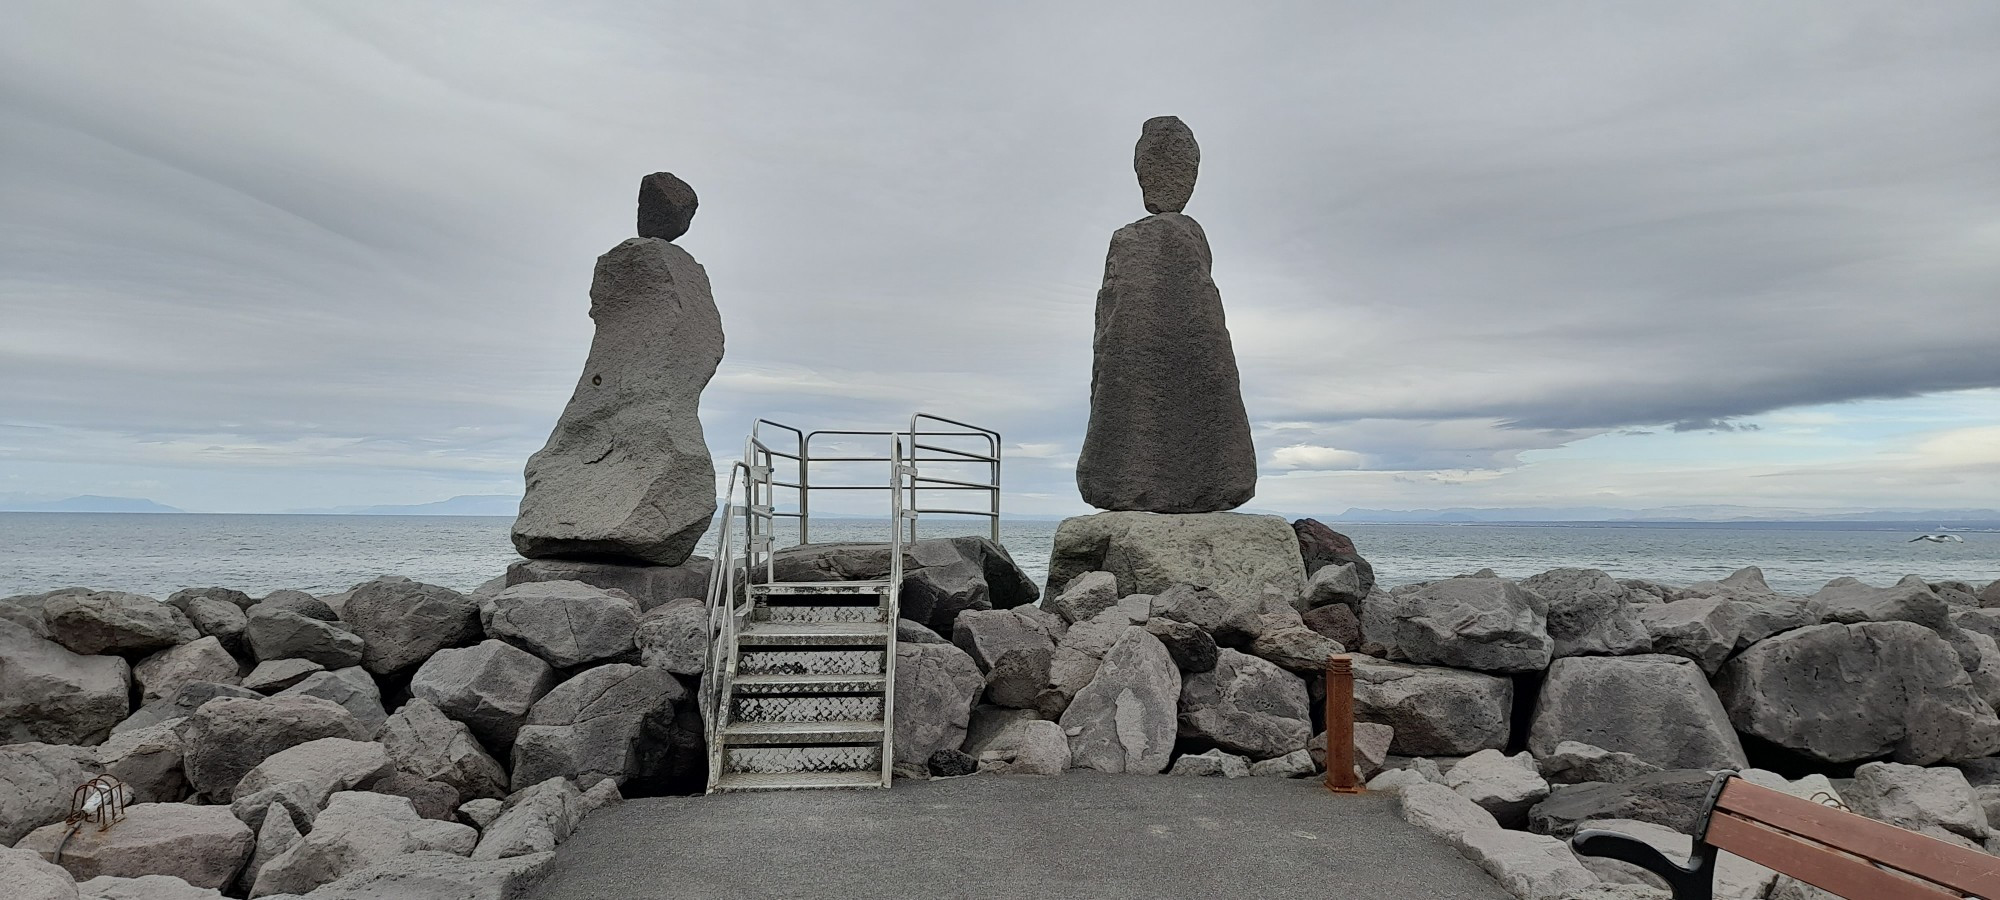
x: 722, y: 615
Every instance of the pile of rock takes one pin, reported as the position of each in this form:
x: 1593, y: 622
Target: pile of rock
x: 387, y: 741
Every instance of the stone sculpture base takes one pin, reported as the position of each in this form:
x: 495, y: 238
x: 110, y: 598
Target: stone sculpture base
x: 1234, y: 554
x: 650, y: 585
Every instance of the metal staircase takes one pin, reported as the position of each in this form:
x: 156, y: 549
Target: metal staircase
x: 801, y: 678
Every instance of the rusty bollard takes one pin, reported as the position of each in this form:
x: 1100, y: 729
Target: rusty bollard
x: 1340, y: 725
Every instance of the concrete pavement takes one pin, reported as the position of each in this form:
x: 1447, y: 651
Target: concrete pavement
x: 1074, y: 836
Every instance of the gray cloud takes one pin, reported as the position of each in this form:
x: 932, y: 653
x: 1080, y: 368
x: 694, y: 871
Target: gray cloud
x: 260, y: 255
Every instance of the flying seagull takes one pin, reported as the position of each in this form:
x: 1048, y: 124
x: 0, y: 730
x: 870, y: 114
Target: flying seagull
x: 1937, y: 538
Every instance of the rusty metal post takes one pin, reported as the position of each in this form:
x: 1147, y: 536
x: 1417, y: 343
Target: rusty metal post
x: 1340, y: 777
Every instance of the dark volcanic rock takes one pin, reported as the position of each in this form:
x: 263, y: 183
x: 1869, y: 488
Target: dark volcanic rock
x: 1168, y: 432
x: 1167, y: 161
x: 1321, y: 546
x: 951, y: 764
x: 626, y: 474
x: 666, y: 206
x: 110, y: 622
x: 652, y: 586
x: 405, y: 622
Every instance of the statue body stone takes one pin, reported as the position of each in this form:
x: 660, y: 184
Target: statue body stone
x: 626, y: 475
x: 1168, y: 432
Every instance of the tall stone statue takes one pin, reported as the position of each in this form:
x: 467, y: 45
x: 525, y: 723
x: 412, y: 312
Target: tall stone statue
x: 1168, y: 433
x: 626, y: 475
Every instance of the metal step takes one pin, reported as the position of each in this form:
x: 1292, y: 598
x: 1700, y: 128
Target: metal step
x: 741, y: 734
x: 870, y: 612
x: 796, y: 661
x: 776, y: 760
x: 824, y: 634
x: 808, y: 588
x: 808, y: 684
x: 796, y: 781
x: 806, y: 707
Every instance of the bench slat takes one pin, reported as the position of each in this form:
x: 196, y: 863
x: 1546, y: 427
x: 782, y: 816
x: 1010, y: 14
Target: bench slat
x: 1813, y: 864
x: 1968, y: 871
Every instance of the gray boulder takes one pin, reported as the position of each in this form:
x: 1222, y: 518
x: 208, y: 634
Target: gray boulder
x: 404, y: 623
x: 1075, y: 661
x: 425, y: 742
x: 353, y: 688
x: 674, y: 636
x: 489, y: 686
x: 1527, y: 865
x: 1296, y: 764
x: 1989, y: 596
x: 1675, y: 798
x: 566, y: 623
x: 1085, y: 596
x: 652, y: 586
x: 213, y: 617
x: 1024, y: 746
x: 1123, y: 721
x: 231, y: 596
x: 1335, y: 586
x: 145, y: 887
x: 430, y: 875
x: 357, y: 830
x: 1371, y: 747
x: 626, y: 473
x: 1590, y: 613
x: 302, y: 778
x: 666, y: 206
x: 1167, y: 431
x: 1012, y: 649
x: 1935, y: 801
x: 202, y: 845
x: 272, y: 676
x: 164, y: 673
x: 534, y: 820
x: 432, y: 799
x: 1434, y: 711
x: 936, y: 687
x: 310, y: 606
x: 276, y: 633
x: 1441, y: 810
x: 956, y: 574
x: 48, y: 693
x: 1234, y: 621
x: 184, y: 702
x: 1902, y: 693
x: 112, y: 622
x: 1482, y: 624
x: 1192, y: 648
x: 1574, y: 762
x: 1704, y: 629
x: 610, y: 722
x: 906, y: 630
x: 1295, y: 648
x: 1658, y: 708
x: 228, y: 736
x: 1847, y: 601
x: 1244, y: 705
x: 1506, y: 786
x: 278, y: 836
x: 30, y: 877
x: 1238, y: 556
x: 1212, y: 764
x: 36, y: 782
x: 1166, y: 160
x: 149, y: 761
x: 1320, y: 546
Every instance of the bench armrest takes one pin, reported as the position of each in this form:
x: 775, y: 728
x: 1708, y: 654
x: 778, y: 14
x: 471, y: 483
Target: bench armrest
x: 1694, y: 880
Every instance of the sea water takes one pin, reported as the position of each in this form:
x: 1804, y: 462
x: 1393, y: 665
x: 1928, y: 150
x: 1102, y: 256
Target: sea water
x: 157, y: 554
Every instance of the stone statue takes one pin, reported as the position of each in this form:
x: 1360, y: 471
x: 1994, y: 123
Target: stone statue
x: 1168, y: 433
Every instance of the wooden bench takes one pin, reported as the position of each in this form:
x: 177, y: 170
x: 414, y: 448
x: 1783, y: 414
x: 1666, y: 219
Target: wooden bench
x: 1831, y: 849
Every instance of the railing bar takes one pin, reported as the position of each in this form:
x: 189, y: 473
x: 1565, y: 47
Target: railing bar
x: 927, y: 479
x: 969, y: 455
x: 958, y: 512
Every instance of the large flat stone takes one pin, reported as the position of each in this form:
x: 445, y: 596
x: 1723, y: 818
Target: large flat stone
x: 48, y: 693
x: 1240, y: 556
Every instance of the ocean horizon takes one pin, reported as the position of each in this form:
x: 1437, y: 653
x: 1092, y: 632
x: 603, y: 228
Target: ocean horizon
x: 158, y: 553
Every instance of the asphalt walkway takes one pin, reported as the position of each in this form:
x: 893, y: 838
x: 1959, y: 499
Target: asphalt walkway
x: 1083, y: 836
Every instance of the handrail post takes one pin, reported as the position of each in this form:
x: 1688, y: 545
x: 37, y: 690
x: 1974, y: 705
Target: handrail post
x: 1340, y: 777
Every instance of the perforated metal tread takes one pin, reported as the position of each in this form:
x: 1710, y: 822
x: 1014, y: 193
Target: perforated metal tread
x: 746, y: 734
x: 820, y: 587
x: 803, y: 634
x: 760, y: 781
x: 808, y: 684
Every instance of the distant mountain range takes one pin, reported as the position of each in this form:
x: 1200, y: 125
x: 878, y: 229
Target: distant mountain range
x: 462, y: 505
x: 88, y: 503
x: 1663, y: 514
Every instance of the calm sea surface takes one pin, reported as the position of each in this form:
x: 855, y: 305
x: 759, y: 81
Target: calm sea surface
x: 159, y: 554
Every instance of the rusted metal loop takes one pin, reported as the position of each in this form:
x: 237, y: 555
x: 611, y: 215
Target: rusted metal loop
x: 100, y: 800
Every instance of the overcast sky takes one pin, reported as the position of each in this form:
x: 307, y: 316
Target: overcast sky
x: 258, y: 255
